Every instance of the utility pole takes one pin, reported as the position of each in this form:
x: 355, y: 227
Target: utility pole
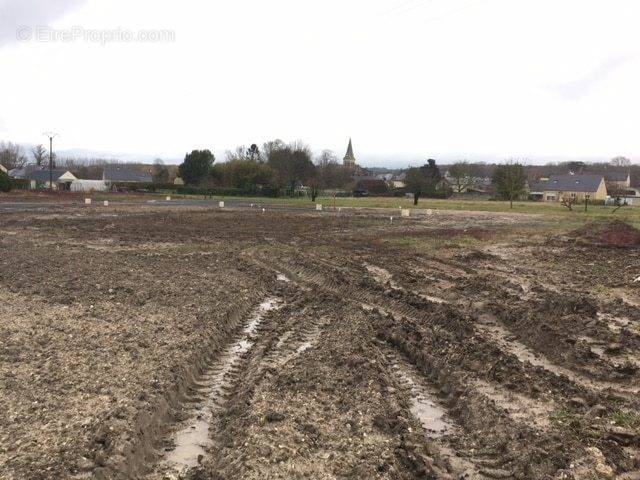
x: 51, y: 135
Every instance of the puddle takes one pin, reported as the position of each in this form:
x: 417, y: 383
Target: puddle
x: 423, y: 406
x: 191, y: 442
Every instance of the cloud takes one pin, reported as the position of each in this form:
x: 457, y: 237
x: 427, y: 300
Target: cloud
x: 583, y: 86
x: 30, y: 13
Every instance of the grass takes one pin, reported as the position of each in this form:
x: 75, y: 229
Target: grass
x: 626, y: 418
x: 553, y: 211
x: 629, y: 214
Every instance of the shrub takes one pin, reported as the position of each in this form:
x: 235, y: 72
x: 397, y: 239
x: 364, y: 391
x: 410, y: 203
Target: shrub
x: 259, y: 191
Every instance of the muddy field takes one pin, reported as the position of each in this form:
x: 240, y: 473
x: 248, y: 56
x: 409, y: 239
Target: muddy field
x: 200, y: 343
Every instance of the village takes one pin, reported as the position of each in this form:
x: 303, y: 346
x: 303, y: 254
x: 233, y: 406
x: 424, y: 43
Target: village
x: 607, y: 183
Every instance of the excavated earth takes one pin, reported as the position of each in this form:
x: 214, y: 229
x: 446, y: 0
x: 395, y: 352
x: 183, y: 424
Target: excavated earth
x: 200, y: 343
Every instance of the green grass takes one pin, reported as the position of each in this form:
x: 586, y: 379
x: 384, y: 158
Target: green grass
x: 626, y: 418
x: 629, y: 214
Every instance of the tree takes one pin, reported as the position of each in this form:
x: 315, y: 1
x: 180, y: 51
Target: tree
x: 331, y: 174
x: 254, y: 154
x: 244, y: 174
x: 509, y: 181
x: 620, y: 161
x: 5, y: 182
x: 461, y: 178
x: 292, y: 164
x: 12, y: 156
x: 39, y: 154
x: 160, y: 172
x: 196, y: 166
x: 568, y: 202
x: 423, y: 181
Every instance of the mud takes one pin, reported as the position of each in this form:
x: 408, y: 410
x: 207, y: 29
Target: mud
x: 443, y: 347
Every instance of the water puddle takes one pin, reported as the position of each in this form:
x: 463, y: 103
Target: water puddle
x: 423, y: 405
x: 192, y: 441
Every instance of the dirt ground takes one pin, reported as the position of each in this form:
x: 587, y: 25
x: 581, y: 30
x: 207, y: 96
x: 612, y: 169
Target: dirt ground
x: 199, y: 343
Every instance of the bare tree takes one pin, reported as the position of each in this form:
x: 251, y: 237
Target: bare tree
x: 568, y: 202
x: 330, y: 173
x: 620, y: 161
x: 12, y: 155
x: 460, y: 175
x: 39, y: 154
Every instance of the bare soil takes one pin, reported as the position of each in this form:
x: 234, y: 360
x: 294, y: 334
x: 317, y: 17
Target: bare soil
x: 197, y: 343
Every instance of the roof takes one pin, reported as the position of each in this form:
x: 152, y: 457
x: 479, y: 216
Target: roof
x: 43, y: 175
x: 126, y: 174
x: 574, y: 183
x: 616, y: 176
x: 17, y: 173
x: 349, y: 155
x: 537, y: 186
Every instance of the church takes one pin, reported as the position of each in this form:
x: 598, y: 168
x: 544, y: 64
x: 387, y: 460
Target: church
x: 349, y: 159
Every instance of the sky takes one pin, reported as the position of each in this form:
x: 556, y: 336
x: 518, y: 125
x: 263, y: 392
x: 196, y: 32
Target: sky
x: 542, y: 80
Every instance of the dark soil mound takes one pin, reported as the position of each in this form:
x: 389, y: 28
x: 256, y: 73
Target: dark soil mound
x: 612, y: 233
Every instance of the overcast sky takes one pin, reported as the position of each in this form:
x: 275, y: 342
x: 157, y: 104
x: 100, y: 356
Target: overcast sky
x: 407, y: 79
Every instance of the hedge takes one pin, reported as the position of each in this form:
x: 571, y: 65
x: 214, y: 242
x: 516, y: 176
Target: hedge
x: 228, y: 192
x: 20, y: 183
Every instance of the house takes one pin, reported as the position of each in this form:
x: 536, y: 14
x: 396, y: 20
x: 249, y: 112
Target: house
x: 2, y: 169
x: 178, y: 181
x: 19, y: 173
x: 38, y: 179
x: 576, y: 187
x: 536, y: 189
x: 399, y: 180
x: 123, y: 174
x: 618, y: 181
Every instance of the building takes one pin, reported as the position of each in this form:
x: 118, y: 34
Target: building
x: 620, y: 181
x: 89, y: 186
x: 124, y: 174
x: 576, y: 187
x: 349, y: 159
x: 19, y: 173
x: 399, y: 180
x: 39, y: 179
x: 2, y: 169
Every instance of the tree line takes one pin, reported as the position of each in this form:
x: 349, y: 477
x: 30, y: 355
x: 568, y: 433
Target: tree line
x: 282, y: 166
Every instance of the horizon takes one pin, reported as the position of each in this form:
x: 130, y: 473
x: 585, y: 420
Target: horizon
x: 397, y: 77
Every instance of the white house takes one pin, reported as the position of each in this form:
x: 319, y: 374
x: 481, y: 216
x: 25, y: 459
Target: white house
x: 62, y: 179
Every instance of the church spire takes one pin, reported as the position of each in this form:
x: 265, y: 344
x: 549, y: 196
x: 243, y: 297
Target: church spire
x: 349, y: 159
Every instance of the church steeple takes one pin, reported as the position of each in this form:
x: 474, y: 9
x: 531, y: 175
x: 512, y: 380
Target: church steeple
x: 349, y: 159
